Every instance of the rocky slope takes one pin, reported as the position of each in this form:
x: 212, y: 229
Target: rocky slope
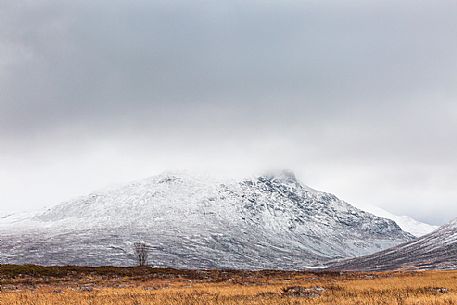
x: 437, y: 250
x: 406, y: 223
x: 271, y: 221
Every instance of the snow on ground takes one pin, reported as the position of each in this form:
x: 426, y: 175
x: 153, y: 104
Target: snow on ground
x: 407, y: 223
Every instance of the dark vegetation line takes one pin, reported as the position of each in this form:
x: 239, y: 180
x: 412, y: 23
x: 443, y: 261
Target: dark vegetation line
x: 11, y: 271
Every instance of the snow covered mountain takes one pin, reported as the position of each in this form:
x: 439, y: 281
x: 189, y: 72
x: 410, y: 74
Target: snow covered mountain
x: 270, y: 221
x: 407, y: 223
x: 437, y: 250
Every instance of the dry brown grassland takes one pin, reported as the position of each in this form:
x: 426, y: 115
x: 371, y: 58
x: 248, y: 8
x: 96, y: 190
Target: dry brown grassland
x: 24, y: 285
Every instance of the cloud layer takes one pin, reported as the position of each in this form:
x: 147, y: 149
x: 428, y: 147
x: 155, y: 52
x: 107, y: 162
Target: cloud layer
x: 358, y: 97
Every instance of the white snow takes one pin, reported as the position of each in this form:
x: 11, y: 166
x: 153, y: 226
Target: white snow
x: 436, y: 250
x: 407, y: 223
x: 270, y: 221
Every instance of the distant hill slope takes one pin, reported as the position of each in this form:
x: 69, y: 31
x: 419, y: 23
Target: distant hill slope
x: 437, y: 250
x: 270, y: 221
x: 407, y: 223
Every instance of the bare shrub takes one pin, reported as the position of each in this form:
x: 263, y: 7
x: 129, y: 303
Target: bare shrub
x: 141, y: 251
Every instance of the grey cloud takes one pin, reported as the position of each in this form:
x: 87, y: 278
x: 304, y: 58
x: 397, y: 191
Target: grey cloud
x: 368, y: 84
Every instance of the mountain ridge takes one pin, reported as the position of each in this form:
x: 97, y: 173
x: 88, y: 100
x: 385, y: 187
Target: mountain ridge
x: 436, y: 250
x: 407, y: 223
x: 271, y: 221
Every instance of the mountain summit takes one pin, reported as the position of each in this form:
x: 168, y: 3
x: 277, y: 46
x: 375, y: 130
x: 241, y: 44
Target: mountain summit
x: 270, y: 221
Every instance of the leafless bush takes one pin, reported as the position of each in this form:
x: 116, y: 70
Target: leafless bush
x: 141, y: 251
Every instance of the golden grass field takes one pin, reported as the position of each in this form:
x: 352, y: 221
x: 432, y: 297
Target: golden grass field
x: 24, y: 285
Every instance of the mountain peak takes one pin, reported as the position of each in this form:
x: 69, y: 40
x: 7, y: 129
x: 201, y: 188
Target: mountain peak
x: 201, y: 223
x: 283, y: 175
x: 453, y: 223
x: 286, y: 177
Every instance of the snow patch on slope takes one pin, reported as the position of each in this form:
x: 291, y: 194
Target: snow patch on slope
x: 407, y: 223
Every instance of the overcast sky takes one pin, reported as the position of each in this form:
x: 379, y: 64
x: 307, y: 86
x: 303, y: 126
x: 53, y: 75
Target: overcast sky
x: 359, y: 98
